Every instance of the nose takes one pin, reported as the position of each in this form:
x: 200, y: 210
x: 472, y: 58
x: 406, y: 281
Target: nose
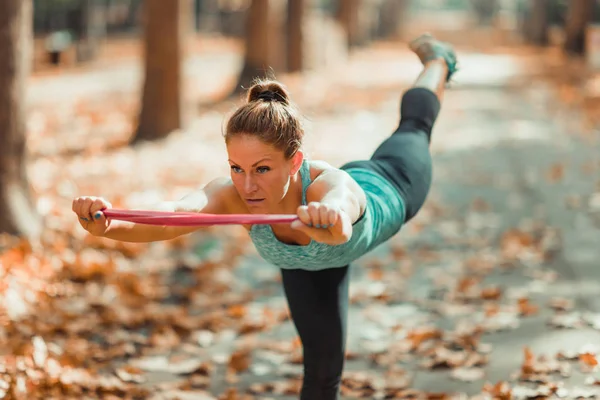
x: 249, y: 184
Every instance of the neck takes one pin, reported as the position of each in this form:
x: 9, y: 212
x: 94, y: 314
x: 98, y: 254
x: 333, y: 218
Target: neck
x: 292, y: 199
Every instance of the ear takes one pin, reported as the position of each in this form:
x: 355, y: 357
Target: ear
x: 297, y: 162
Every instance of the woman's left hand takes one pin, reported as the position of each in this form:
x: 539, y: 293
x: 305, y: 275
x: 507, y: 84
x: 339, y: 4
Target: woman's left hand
x: 324, y: 223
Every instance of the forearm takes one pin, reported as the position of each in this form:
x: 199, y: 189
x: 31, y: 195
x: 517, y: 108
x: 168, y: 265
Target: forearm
x: 138, y: 233
x: 141, y: 233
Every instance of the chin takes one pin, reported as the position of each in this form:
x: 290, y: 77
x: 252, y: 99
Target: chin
x: 257, y: 208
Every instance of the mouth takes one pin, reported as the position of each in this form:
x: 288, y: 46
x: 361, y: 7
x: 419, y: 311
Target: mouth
x: 254, y: 201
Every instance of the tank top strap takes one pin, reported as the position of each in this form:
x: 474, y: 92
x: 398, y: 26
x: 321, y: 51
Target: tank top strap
x: 305, y: 176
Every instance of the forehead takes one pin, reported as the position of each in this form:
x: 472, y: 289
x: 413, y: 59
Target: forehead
x: 244, y: 148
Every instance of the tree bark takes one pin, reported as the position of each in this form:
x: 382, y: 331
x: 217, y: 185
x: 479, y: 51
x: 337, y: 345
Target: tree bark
x: 91, y: 29
x: 347, y: 15
x: 393, y: 15
x: 264, y: 41
x: 165, y: 29
x: 295, y: 36
x: 19, y: 216
x: 579, y: 14
x: 537, y: 23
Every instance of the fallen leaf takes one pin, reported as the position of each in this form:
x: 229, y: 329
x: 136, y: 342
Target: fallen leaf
x: 467, y: 374
x: 561, y: 304
x: 569, y: 321
x: 526, y: 308
x: 588, y: 360
x: 130, y: 374
x: 240, y: 360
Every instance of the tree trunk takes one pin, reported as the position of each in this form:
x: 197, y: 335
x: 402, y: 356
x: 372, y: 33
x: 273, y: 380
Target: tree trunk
x: 19, y: 215
x: 264, y: 41
x: 579, y: 14
x: 295, y: 37
x: 347, y: 15
x: 165, y: 29
x: 485, y: 11
x: 392, y: 17
x: 537, y: 23
x: 90, y: 31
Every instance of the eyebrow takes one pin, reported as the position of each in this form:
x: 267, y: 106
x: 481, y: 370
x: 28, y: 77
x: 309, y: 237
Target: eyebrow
x: 255, y: 164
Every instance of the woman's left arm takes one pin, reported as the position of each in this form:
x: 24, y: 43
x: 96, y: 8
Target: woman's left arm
x: 335, y: 202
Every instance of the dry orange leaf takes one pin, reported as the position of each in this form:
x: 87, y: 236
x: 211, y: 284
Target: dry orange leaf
x: 423, y: 334
x: 588, y: 359
x: 236, y: 311
x: 526, y: 308
x: 491, y: 293
x: 240, y: 360
x: 529, y: 358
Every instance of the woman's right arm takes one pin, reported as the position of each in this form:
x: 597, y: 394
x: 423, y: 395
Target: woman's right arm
x: 214, y: 198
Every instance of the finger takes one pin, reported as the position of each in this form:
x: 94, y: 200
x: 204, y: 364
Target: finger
x: 78, y: 207
x: 85, y: 209
x: 332, y: 217
x: 96, y: 210
x: 314, y: 212
x: 301, y: 226
x: 304, y: 216
x: 324, y: 216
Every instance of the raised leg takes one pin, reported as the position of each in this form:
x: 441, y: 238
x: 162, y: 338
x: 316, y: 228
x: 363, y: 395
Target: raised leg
x: 404, y: 158
x: 428, y: 49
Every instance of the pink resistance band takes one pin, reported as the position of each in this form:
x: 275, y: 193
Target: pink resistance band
x: 195, y: 219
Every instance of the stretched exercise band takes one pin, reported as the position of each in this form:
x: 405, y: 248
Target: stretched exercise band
x: 195, y: 219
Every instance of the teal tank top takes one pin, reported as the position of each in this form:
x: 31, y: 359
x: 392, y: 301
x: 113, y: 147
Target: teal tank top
x: 383, y: 218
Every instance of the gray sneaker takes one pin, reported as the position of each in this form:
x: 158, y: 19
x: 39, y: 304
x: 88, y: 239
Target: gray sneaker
x: 427, y: 48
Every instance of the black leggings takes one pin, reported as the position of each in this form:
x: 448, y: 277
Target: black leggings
x: 404, y: 157
x: 318, y: 300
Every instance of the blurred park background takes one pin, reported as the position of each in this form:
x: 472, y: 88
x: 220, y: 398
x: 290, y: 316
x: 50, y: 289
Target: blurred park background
x: 490, y: 291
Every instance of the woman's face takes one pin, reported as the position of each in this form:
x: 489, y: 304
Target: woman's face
x: 260, y: 173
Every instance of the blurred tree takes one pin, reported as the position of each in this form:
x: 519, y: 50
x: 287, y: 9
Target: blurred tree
x: 165, y: 29
x: 485, y: 10
x: 579, y: 15
x: 295, y: 38
x: 19, y: 215
x: 392, y: 17
x: 264, y: 41
x: 347, y: 14
x: 89, y: 25
x: 537, y: 22
x: 132, y: 13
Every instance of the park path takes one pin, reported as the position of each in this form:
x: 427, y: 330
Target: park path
x: 505, y: 244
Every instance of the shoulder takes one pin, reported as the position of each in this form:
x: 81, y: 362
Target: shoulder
x: 220, y: 187
x: 321, y: 172
x: 325, y: 178
x: 223, y: 190
x: 319, y: 169
x: 217, y: 197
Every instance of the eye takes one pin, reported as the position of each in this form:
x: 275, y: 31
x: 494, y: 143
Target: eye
x: 262, y: 170
x: 236, y: 169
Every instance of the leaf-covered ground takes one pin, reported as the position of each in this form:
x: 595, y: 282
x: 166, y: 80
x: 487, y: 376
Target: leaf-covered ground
x: 490, y: 293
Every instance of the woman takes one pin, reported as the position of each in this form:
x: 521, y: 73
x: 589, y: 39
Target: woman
x: 342, y: 213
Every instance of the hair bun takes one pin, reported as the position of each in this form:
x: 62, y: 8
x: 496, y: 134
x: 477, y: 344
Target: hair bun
x: 268, y: 90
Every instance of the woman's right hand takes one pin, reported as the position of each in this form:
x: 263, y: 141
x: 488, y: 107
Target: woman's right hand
x: 89, y: 214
